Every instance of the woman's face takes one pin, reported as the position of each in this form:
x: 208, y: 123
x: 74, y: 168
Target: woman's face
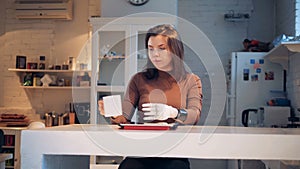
x: 159, y: 53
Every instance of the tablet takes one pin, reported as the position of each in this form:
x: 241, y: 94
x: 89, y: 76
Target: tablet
x: 149, y: 126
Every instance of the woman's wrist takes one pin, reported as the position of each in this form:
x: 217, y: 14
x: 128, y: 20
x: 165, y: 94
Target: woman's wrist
x: 118, y: 119
x: 113, y: 117
x: 182, y: 115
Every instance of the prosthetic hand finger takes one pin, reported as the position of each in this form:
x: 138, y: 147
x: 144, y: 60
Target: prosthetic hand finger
x: 149, y: 118
x: 150, y: 113
x: 146, y: 109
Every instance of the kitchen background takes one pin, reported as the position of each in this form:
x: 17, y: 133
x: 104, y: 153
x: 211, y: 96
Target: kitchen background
x: 60, y: 39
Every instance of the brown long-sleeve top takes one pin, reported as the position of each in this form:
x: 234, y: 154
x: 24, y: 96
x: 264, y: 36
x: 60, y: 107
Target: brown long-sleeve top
x: 184, y: 94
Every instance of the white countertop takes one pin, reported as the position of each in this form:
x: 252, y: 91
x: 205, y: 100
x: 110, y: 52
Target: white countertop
x: 180, y: 129
x: 209, y: 142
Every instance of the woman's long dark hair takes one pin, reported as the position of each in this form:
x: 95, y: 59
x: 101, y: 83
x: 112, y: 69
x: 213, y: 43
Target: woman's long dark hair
x: 176, y: 48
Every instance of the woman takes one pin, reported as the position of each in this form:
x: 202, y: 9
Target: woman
x: 164, y: 91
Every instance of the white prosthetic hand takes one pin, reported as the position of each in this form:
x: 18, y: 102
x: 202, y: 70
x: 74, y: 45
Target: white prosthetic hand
x: 158, y: 111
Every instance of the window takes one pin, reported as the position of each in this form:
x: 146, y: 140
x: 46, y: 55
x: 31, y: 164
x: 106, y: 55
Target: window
x: 297, y: 18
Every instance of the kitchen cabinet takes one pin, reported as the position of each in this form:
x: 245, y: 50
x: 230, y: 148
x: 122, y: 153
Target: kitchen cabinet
x: 12, y: 140
x: 118, y: 52
x: 281, y: 53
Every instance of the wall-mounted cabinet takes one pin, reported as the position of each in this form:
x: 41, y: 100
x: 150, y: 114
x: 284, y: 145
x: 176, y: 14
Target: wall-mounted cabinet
x: 281, y: 53
x: 118, y: 52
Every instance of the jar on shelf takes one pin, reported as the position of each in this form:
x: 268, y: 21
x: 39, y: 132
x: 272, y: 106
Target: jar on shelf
x: 42, y: 64
x: 72, y: 63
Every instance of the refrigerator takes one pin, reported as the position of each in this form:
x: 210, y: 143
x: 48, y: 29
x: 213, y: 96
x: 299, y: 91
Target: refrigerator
x: 253, y: 81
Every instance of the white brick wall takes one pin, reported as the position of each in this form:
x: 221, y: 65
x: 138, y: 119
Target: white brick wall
x: 208, y: 16
x: 285, y: 19
x: 2, y: 31
x: 30, y: 38
x: 293, y: 81
x: 33, y: 38
x: 94, y: 8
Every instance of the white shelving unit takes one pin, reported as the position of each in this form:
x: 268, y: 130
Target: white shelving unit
x: 125, y: 38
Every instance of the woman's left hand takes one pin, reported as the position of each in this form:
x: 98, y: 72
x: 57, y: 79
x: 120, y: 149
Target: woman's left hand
x: 158, y: 111
x: 118, y: 120
x: 101, y: 107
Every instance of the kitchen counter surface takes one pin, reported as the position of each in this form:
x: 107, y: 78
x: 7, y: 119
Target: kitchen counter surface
x: 180, y: 129
x: 209, y: 142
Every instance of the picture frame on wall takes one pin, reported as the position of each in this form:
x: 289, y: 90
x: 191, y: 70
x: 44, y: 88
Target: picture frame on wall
x: 21, y: 62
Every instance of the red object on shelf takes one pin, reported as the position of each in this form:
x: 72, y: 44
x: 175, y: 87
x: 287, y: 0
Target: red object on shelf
x: 9, y: 140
